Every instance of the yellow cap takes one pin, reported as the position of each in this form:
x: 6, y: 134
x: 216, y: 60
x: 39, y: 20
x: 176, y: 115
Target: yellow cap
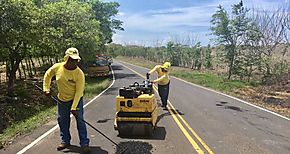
x: 166, y: 65
x: 73, y: 53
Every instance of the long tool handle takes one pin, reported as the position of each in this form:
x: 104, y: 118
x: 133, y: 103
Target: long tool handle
x: 56, y: 100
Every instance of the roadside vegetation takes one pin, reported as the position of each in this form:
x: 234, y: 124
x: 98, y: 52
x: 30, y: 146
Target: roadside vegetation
x: 34, y: 35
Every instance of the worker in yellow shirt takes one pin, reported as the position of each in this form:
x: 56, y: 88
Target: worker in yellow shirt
x: 70, y: 81
x: 163, y: 81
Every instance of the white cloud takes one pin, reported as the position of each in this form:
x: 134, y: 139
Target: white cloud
x: 120, y: 14
x: 119, y: 39
x: 177, y: 21
x: 166, y: 20
x: 165, y: 24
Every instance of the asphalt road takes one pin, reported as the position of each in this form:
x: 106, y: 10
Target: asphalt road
x: 197, y: 121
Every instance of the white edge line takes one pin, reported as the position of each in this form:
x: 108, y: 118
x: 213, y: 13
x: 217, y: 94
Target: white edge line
x: 237, y: 99
x: 56, y: 126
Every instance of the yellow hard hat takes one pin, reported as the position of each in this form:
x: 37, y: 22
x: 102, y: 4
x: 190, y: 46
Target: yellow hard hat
x: 166, y: 65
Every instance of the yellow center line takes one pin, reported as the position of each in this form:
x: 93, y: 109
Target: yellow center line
x: 187, y: 135
x: 192, y: 131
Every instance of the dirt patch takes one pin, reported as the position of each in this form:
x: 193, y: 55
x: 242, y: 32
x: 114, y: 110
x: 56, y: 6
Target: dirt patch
x: 275, y: 98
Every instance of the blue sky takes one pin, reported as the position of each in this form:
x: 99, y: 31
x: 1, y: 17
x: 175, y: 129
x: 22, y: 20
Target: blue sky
x: 155, y: 22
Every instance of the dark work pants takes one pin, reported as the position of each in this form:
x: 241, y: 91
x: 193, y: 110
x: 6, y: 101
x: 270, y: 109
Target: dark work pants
x: 163, y: 91
x: 64, y: 109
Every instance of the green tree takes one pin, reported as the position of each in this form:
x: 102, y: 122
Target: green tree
x: 104, y: 13
x: 17, y: 23
x: 197, y: 52
x: 171, y: 53
x: 230, y: 31
x: 208, y: 57
x: 70, y: 23
x: 221, y: 28
x: 251, y: 55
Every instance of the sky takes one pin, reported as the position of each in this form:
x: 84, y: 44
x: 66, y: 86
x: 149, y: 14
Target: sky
x: 155, y: 22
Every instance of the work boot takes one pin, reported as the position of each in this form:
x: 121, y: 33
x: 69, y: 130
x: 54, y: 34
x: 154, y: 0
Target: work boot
x: 86, y: 149
x: 62, y: 146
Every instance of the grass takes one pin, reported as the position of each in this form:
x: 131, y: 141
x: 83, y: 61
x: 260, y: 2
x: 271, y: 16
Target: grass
x: 26, y: 125
x: 93, y: 87
x: 209, y: 80
x: 139, y: 62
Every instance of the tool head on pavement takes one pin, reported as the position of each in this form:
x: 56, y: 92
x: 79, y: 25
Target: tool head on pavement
x: 136, y: 110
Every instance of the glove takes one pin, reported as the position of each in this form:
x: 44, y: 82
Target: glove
x: 147, y: 75
x: 74, y: 112
x: 47, y: 93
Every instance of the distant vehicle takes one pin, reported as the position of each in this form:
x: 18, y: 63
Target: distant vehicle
x: 100, y: 67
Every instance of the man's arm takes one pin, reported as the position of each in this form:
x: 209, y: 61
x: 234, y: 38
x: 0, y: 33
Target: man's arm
x: 159, y: 79
x: 47, y: 78
x: 153, y: 70
x: 80, y: 85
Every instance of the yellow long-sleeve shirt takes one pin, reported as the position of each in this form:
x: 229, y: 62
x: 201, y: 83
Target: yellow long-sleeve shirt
x: 163, y: 77
x: 70, y: 83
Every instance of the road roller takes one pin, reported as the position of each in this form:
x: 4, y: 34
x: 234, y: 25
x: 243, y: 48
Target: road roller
x: 136, y: 110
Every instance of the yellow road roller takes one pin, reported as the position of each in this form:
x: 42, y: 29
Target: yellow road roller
x: 136, y: 107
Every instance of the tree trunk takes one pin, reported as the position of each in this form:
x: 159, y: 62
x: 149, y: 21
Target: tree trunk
x: 43, y: 60
x: 268, y: 72
x: 19, y: 72
x: 231, y: 68
x: 39, y: 62
x: 232, y: 59
x: 201, y: 60
x: 50, y: 60
x: 56, y: 59
x: 12, y: 75
x: 33, y: 65
x: 24, y: 69
x: 192, y: 64
x: 28, y: 67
